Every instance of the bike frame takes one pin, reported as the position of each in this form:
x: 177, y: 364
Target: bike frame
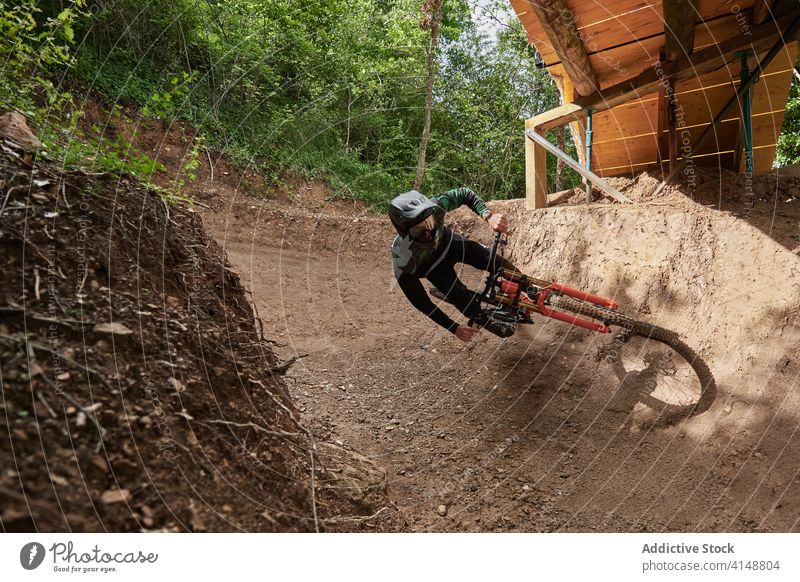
x: 522, y: 295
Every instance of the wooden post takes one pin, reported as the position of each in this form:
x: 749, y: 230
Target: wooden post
x: 535, y: 171
x: 664, y: 95
x: 679, y: 22
x: 576, y: 128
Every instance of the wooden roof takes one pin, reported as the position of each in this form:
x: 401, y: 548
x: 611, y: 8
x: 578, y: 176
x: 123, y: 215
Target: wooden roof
x: 623, y: 38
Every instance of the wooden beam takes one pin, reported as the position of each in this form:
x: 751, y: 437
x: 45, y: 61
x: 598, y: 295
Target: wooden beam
x: 762, y: 9
x: 647, y: 82
x: 559, y: 24
x: 535, y: 171
x: 558, y: 116
x: 679, y: 19
x: 540, y: 140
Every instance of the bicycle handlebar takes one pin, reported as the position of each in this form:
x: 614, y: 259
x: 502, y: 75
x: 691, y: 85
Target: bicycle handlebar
x: 492, y: 255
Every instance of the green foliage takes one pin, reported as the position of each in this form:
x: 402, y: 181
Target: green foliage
x: 329, y: 89
x: 186, y: 173
x: 76, y: 150
x: 164, y: 104
x: 113, y: 78
x: 788, y: 151
x: 332, y: 89
x: 36, y: 45
x: 29, y: 50
x: 487, y: 91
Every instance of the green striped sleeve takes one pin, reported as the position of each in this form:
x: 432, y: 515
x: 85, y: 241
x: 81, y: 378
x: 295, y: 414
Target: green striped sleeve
x: 456, y: 197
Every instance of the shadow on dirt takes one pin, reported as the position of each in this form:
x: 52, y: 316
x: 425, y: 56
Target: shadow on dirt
x: 667, y: 377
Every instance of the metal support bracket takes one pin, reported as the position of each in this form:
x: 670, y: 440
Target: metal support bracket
x: 586, y: 182
x: 747, y: 113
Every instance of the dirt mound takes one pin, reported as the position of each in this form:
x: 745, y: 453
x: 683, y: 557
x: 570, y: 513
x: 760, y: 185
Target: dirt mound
x: 716, y: 276
x: 138, y: 390
x: 718, y: 188
x: 727, y: 277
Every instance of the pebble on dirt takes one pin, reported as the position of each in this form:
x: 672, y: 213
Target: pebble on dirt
x: 113, y: 328
x: 115, y: 496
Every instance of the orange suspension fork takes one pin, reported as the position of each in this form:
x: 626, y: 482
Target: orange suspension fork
x: 511, y: 288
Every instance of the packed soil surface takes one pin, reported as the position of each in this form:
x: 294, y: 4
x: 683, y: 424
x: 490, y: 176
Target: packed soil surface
x: 529, y: 433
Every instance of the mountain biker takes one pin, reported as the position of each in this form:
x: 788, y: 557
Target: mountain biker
x: 426, y: 247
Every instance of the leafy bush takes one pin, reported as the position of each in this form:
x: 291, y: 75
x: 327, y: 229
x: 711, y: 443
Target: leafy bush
x: 29, y: 50
x: 788, y: 151
x: 333, y: 89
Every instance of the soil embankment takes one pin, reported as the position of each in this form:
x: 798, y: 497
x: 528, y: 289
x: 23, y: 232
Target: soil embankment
x: 138, y: 390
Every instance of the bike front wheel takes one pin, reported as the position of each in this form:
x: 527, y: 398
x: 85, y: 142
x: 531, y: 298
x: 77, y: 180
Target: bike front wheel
x: 652, y: 362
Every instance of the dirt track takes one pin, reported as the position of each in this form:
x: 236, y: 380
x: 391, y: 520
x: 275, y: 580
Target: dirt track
x: 524, y: 434
x: 532, y: 433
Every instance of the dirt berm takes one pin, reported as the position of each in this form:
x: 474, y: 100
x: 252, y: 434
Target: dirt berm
x: 725, y: 276
x: 138, y: 390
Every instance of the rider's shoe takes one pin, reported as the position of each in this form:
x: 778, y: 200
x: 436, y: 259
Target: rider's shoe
x: 438, y: 294
x: 485, y: 319
x: 496, y: 326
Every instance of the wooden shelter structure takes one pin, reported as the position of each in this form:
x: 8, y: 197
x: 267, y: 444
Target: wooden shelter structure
x: 682, y: 83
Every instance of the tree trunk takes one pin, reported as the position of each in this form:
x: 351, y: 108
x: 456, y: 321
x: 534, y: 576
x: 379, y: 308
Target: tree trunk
x: 431, y: 19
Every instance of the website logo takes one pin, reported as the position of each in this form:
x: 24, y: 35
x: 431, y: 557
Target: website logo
x: 31, y: 555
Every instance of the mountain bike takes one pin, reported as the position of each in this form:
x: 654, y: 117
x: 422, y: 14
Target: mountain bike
x: 652, y: 363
